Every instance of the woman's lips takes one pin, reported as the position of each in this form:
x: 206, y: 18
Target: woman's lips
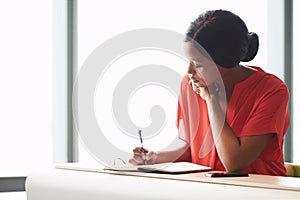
x: 198, y: 83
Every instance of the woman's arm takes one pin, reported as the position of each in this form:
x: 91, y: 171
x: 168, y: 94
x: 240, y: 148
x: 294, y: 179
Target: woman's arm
x: 178, y: 155
x: 182, y: 153
x: 235, y: 153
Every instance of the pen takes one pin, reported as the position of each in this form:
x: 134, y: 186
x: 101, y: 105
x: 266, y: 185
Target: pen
x: 143, y: 150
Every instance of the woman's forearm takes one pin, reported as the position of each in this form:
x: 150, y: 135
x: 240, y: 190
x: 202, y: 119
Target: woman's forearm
x: 227, y: 143
x: 180, y: 154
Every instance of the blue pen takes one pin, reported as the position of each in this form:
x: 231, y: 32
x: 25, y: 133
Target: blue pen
x: 143, y: 150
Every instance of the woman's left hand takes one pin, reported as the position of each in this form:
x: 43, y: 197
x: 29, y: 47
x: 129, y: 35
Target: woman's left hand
x: 206, y: 92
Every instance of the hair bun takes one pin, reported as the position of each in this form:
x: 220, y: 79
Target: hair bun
x: 252, y: 47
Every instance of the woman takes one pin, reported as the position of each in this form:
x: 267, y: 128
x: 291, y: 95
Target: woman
x: 231, y: 117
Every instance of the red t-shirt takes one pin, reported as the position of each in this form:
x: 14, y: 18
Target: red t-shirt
x: 258, y: 105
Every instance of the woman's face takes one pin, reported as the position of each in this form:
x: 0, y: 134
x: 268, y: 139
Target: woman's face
x: 202, y: 71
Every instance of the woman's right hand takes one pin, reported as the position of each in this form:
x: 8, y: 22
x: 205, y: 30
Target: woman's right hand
x: 140, y: 158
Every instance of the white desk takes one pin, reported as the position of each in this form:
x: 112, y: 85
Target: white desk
x: 58, y: 184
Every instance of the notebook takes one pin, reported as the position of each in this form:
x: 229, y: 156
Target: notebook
x: 168, y: 168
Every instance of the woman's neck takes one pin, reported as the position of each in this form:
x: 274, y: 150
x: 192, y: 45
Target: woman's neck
x: 232, y: 76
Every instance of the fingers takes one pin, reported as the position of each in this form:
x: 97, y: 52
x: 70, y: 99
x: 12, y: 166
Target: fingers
x: 139, y: 158
x: 195, y: 87
x: 212, y: 88
x: 134, y: 162
x: 206, y: 92
x: 138, y: 150
x: 216, y: 86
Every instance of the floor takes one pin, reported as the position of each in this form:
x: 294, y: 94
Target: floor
x: 13, y: 196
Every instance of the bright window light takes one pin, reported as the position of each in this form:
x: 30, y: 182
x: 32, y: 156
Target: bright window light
x: 25, y: 85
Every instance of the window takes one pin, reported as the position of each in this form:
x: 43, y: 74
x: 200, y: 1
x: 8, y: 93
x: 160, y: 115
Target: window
x: 26, y: 86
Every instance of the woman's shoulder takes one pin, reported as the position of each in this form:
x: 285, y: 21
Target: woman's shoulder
x: 268, y: 84
x: 267, y: 78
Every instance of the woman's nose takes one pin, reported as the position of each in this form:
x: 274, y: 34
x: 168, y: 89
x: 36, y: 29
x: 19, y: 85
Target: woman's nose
x: 191, y: 69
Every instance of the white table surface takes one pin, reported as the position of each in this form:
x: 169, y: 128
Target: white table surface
x: 59, y: 184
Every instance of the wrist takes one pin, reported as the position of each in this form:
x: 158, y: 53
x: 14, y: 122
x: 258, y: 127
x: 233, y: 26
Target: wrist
x: 212, y: 99
x: 158, y: 157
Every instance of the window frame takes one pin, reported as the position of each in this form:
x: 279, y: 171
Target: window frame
x: 65, y: 62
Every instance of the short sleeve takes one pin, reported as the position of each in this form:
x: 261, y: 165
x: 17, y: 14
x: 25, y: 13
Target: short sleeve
x: 269, y: 114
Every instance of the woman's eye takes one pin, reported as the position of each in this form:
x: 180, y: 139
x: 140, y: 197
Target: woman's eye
x: 198, y: 66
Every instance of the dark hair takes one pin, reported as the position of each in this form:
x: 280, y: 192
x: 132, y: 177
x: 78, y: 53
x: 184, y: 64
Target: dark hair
x: 224, y: 36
